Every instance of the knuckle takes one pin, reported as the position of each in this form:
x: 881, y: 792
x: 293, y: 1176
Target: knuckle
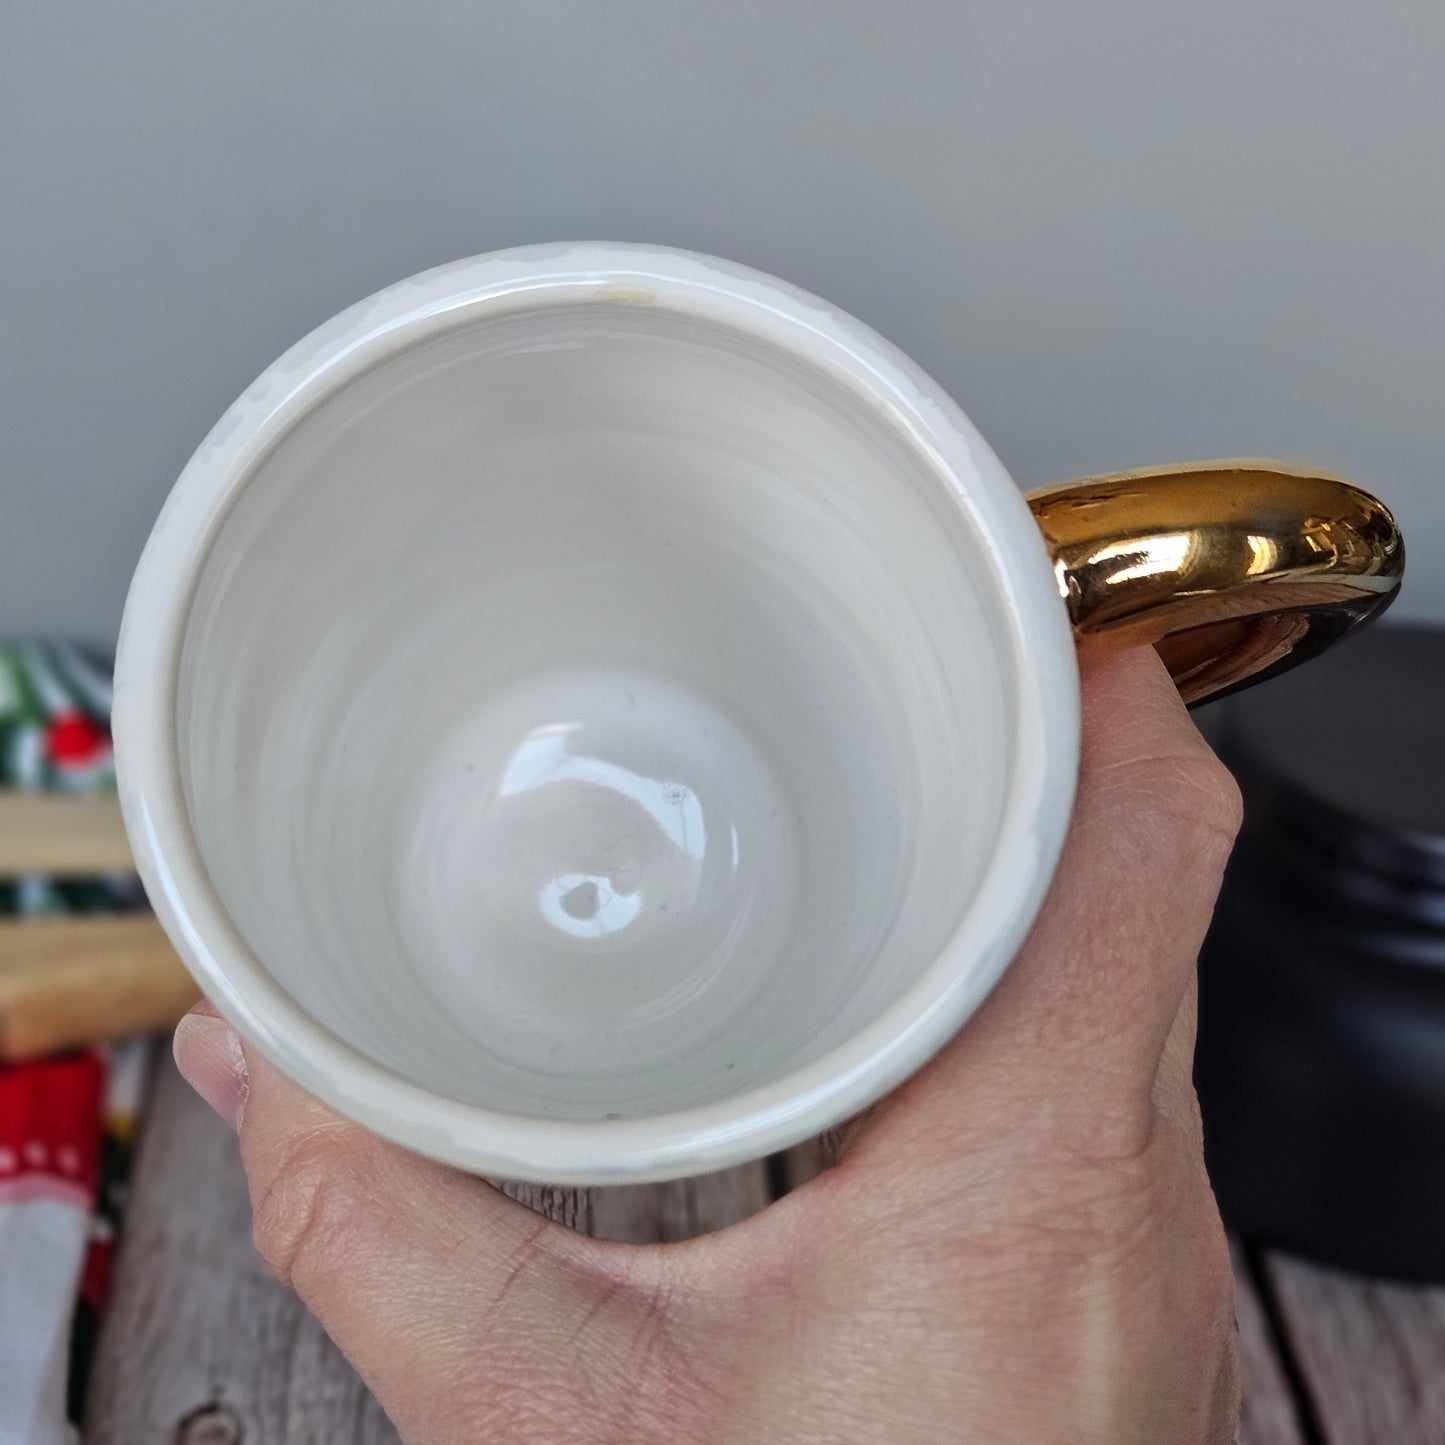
x: 1216, y: 1265
x: 1217, y: 1333
x: 1211, y: 786
x: 1189, y: 791
x: 300, y: 1208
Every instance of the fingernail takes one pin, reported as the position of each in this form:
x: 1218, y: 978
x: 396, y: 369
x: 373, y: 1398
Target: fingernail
x: 208, y: 1054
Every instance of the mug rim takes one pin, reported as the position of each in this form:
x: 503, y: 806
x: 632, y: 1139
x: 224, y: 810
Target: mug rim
x: 758, y: 1121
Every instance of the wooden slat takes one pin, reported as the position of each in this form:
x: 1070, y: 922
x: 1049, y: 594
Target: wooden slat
x: 805, y: 1161
x: 200, y: 1343
x: 572, y: 1207
x: 1372, y: 1354
x: 651, y: 1213
x: 1269, y: 1415
x: 70, y: 981
x: 64, y: 836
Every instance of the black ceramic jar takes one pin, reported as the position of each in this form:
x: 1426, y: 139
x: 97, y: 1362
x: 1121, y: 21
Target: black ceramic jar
x: 1321, y: 1063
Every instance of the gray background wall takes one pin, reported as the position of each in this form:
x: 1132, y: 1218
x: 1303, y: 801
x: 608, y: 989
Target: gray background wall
x: 1120, y: 232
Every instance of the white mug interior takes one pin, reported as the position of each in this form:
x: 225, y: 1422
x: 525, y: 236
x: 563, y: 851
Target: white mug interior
x: 622, y: 718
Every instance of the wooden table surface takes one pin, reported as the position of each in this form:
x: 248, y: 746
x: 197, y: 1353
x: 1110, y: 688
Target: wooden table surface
x: 202, y: 1347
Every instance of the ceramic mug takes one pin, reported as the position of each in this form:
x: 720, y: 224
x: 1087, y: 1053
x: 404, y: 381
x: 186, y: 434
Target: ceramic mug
x: 596, y: 713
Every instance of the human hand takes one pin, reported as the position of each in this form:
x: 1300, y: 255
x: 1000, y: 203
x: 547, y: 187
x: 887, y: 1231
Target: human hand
x: 1019, y: 1244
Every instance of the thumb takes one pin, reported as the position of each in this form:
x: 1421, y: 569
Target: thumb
x: 465, y: 1312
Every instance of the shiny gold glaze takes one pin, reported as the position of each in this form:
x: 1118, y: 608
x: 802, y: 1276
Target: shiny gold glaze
x: 1234, y: 570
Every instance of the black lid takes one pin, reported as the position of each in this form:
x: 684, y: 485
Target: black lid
x: 1342, y: 764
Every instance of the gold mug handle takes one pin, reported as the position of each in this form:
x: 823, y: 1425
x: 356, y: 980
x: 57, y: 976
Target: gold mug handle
x: 1233, y: 570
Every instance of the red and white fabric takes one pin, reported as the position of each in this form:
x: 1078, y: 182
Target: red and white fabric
x: 50, y: 1137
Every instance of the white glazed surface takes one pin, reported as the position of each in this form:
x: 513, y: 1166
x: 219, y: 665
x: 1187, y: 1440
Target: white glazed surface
x: 595, y: 713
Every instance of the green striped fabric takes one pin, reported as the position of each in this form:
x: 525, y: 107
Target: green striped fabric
x: 55, y: 737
